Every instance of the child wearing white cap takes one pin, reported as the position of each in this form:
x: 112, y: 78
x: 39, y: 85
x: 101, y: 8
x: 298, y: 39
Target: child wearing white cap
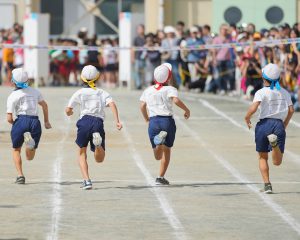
x: 156, y: 107
x: 92, y: 102
x: 23, y: 102
x: 276, y: 110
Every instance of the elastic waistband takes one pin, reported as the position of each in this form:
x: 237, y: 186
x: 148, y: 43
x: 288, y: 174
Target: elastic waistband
x: 273, y: 119
x: 161, y: 117
x: 92, y: 118
x: 28, y: 116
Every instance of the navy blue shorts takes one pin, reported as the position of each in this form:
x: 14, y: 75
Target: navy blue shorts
x: 162, y: 123
x: 266, y: 127
x: 24, y: 124
x: 86, y: 126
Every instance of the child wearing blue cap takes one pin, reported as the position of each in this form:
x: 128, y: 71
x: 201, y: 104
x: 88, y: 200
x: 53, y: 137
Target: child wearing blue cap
x: 276, y: 110
x: 23, y: 102
x: 92, y: 102
x: 157, y: 109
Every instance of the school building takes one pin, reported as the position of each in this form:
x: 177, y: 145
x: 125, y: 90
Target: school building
x: 101, y: 16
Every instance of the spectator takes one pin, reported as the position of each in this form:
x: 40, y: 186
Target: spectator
x: 171, y: 56
x: 139, y: 64
x: 110, y: 64
x: 152, y: 59
x: 194, y: 55
x: 221, y: 60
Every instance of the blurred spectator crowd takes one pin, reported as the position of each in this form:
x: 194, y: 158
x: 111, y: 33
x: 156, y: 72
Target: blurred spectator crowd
x: 227, y: 71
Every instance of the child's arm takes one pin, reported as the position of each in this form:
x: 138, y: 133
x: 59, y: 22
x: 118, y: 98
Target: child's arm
x: 252, y: 109
x: 69, y: 111
x: 9, y: 117
x: 181, y: 105
x: 44, y: 106
x: 143, y: 108
x: 114, y: 110
x: 289, y: 116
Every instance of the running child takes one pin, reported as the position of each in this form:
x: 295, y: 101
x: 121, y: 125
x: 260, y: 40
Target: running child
x: 92, y: 102
x: 276, y: 110
x: 157, y: 109
x: 23, y: 102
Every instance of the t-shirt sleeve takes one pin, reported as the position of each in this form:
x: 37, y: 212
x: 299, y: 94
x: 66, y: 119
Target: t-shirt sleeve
x: 172, y: 92
x: 143, y: 97
x: 107, y: 98
x: 40, y: 96
x: 75, y: 100
x: 257, y: 97
x: 288, y: 99
x: 11, y: 103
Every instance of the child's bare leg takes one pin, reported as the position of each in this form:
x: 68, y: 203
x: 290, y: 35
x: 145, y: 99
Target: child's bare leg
x: 277, y: 156
x: 83, y: 163
x: 158, y: 152
x: 18, y: 161
x: 263, y: 166
x: 165, y: 160
x: 30, y: 153
x: 99, y: 154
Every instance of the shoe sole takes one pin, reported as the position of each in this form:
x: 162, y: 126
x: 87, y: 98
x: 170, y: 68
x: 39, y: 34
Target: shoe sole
x: 29, y: 141
x: 97, y: 139
x: 273, y: 139
x: 21, y: 183
x: 162, y: 137
x: 87, y: 188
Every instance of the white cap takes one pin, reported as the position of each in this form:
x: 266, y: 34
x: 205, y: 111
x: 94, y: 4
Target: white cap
x: 169, y: 29
x: 19, y: 75
x: 162, y: 72
x: 271, y: 72
x: 89, y: 72
x: 194, y: 29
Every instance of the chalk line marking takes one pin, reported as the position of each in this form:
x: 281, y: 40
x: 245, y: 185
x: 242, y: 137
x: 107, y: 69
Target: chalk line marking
x: 164, y: 204
x: 56, y: 176
x: 285, y: 216
x: 293, y: 156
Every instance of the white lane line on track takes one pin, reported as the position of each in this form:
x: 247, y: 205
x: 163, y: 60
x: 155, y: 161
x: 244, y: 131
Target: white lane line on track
x: 56, y: 196
x: 157, y: 191
x: 236, y: 100
x: 285, y: 216
x: 293, y: 156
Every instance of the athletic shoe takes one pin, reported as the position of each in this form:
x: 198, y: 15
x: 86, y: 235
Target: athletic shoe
x: 97, y: 139
x: 20, y: 180
x: 87, y: 185
x: 161, y: 181
x: 272, y: 140
x: 267, y: 188
x: 29, y: 141
x: 160, y: 138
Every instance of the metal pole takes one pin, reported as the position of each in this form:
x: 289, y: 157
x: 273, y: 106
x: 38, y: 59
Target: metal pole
x: 120, y: 7
x: 161, y: 14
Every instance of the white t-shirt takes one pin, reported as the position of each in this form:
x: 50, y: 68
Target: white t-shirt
x: 273, y: 103
x: 24, y: 102
x: 159, y: 102
x: 92, y: 102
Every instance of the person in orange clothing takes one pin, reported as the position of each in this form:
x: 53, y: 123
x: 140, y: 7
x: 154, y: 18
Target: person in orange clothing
x: 8, y: 59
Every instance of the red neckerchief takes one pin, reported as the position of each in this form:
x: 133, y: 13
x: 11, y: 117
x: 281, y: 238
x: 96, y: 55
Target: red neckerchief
x: 158, y: 85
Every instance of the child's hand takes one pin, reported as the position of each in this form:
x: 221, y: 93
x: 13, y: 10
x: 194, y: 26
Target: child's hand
x: 119, y: 125
x: 187, y: 114
x: 248, y: 122
x: 48, y: 125
x: 69, y: 111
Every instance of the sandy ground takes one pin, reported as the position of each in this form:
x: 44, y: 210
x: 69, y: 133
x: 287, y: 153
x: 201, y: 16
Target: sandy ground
x: 215, y: 182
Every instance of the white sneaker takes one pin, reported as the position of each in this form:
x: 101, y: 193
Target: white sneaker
x: 29, y: 141
x: 97, y: 139
x: 272, y: 140
x: 160, y: 138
